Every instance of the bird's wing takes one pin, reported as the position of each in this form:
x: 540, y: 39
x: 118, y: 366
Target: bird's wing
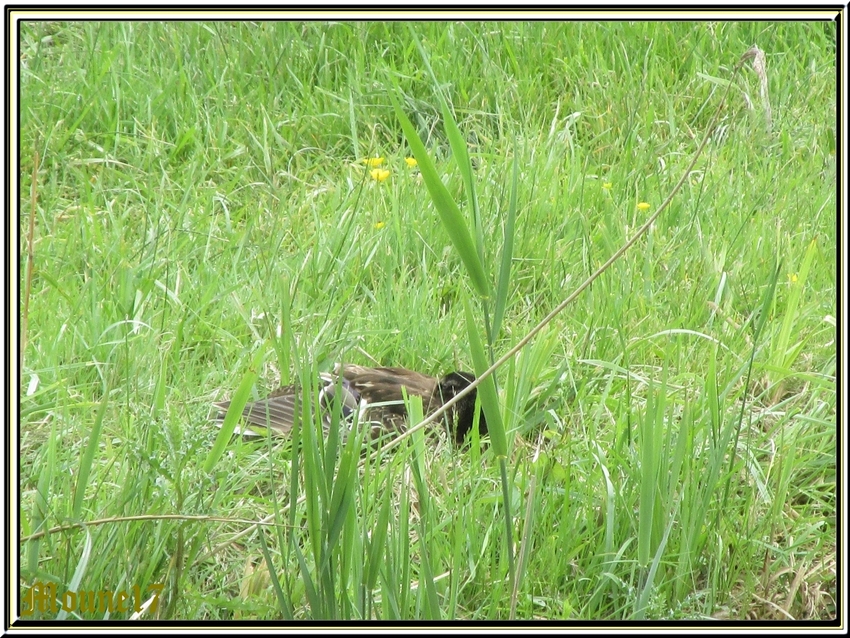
x: 277, y: 411
x: 378, y: 385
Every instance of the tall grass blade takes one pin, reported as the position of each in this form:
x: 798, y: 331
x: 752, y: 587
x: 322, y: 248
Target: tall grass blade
x: 525, y: 545
x: 458, y: 145
x: 316, y: 490
x: 761, y: 321
x: 87, y: 458
x: 417, y: 459
x: 79, y: 572
x: 285, y: 344
x: 160, y: 388
x: 283, y: 603
x: 402, y: 547
x: 309, y: 586
x: 783, y: 354
x: 610, y: 501
x: 648, y: 474
x: 446, y: 207
x: 417, y: 465
x: 377, y: 543
x: 506, y: 504
x: 461, y: 154
x: 234, y: 411
x: 646, y: 591
x: 711, y: 396
x: 503, y: 283
x: 41, y: 505
x: 487, y: 390
x: 297, y: 431
x: 343, y: 492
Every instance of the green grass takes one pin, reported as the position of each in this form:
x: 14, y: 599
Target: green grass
x: 203, y: 215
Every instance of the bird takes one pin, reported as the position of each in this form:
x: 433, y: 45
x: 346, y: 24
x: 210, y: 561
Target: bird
x: 374, y: 395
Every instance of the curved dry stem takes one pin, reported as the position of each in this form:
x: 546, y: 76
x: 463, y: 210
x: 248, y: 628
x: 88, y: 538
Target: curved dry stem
x: 545, y: 321
x: 560, y: 307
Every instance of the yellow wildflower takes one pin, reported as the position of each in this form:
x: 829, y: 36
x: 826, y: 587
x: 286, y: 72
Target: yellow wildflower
x: 793, y: 277
x: 379, y: 174
x: 607, y: 186
x: 379, y: 225
x: 373, y: 162
x: 411, y: 161
x: 643, y: 206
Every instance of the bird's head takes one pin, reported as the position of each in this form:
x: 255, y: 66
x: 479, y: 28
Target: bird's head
x: 462, y: 415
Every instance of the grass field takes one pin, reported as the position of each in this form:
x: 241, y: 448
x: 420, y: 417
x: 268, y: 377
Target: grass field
x: 203, y: 214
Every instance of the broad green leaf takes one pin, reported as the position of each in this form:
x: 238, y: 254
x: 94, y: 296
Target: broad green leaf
x: 459, y: 149
x: 446, y: 207
x: 461, y: 155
